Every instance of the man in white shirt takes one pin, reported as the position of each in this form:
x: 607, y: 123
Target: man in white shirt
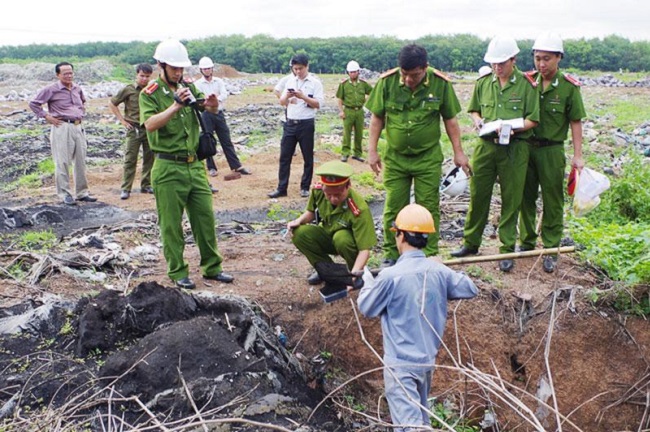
x: 215, y: 121
x: 303, y: 96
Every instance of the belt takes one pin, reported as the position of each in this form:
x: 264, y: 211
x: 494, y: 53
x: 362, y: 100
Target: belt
x: 177, y: 158
x: 71, y: 121
x: 544, y: 143
x: 353, y: 108
x: 292, y: 121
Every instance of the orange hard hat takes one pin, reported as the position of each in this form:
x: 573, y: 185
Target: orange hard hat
x: 414, y: 218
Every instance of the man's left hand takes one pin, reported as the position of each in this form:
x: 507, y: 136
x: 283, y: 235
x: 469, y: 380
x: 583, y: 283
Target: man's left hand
x: 578, y: 163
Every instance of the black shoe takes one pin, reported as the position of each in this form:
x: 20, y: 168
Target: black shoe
x: 549, y: 263
x: 523, y: 249
x: 358, y: 158
x: 146, y: 189
x: 220, y: 277
x: 87, y: 198
x: 125, y: 195
x: 185, y: 283
x: 277, y: 194
x: 243, y: 171
x: 506, y: 265
x: 464, y: 251
x: 68, y: 200
x: 314, y: 279
x: 387, y: 262
x: 344, y: 158
x: 304, y: 193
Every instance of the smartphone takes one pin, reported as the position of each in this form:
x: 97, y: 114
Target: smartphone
x: 291, y: 90
x: 504, y: 135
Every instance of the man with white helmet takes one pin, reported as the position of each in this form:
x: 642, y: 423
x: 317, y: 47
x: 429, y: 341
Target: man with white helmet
x: 504, y: 94
x: 561, y: 109
x: 352, y: 94
x: 179, y: 179
x: 216, y: 121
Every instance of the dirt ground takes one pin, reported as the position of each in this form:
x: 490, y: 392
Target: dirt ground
x: 522, y: 324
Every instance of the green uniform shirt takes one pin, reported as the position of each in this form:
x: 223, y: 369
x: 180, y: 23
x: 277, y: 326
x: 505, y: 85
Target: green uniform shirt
x: 341, y: 217
x: 181, y: 134
x: 412, y: 118
x: 352, y: 94
x: 130, y: 95
x: 517, y: 99
x: 560, y: 104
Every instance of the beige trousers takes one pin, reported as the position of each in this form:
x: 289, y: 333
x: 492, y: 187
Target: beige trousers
x: 68, y: 143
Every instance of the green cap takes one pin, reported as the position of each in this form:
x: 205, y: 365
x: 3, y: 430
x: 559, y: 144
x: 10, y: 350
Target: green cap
x: 334, y: 173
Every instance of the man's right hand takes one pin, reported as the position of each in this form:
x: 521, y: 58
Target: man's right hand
x: 375, y: 161
x: 53, y: 120
x: 342, y: 115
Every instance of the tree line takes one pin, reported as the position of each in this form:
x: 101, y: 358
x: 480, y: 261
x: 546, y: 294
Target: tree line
x: 262, y: 53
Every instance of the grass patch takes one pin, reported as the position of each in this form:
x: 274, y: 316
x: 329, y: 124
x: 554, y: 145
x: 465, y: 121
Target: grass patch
x: 37, y: 240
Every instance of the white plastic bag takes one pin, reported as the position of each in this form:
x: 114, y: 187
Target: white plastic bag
x: 590, y: 185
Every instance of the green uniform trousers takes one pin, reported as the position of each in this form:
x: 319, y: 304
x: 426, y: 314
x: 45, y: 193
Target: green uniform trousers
x: 423, y: 171
x: 354, y: 120
x: 182, y: 186
x: 546, y: 169
x: 509, y: 163
x: 136, y: 138
x: 317, y: 244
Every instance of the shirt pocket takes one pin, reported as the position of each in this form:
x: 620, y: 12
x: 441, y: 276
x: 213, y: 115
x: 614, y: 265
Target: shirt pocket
x: 555, y: 109
x: 488, y: 111
x: 515, y: 106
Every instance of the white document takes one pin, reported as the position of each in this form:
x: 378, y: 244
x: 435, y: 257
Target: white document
x: 491, y: 127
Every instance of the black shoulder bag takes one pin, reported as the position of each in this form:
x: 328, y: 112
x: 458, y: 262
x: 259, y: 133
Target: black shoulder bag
x: 207, y: 141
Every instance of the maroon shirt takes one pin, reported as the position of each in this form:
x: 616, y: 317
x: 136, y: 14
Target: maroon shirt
x: 62, y: 102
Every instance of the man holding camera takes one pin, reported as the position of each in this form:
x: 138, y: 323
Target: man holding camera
x: 179, y: 179
x: 302, y: 95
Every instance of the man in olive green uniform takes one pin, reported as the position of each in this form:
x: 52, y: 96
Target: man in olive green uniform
x: 179, y: 179
x: 410, y: 101
x: 337, y: 221
x: 504, y: 94
x: 351, y: 95
x: 136, y: 135
x: 561, y: 108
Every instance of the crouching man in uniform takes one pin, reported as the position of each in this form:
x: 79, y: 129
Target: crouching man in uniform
x: 337, y: 221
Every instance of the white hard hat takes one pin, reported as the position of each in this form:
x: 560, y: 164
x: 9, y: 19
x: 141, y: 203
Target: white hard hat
x: 550, y: 42
x: 500, y: 49
x: 454, y: 183
x: 205, y: 63
x: 484, y: 70
x: 173, y: 53
x: 352, y: 66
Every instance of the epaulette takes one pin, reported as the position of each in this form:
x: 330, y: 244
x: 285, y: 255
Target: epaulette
x: 152, y: 87
x: 440, y: 74
x: 389, y: 72
x: 572, y: 80
x: 343, y: 80
x: 353, y: 207
x: 318, y: 185
x: 531, y: 79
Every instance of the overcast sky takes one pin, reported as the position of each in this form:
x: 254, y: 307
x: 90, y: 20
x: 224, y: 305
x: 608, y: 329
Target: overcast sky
x: 75, y: 21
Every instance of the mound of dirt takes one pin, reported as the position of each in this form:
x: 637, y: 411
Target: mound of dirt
x: 177, y: 354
